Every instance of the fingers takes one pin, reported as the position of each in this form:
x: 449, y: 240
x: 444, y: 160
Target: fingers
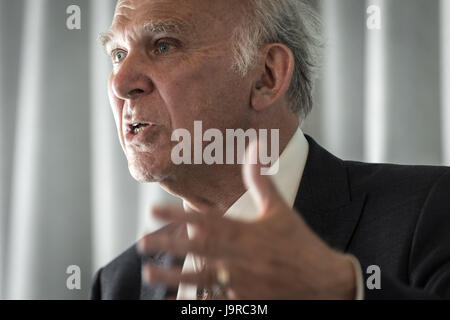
x: 203, y: 246
x: 212, y: 236
x: 205, y: 208
x: 157, y: 275
x: 261, y: 187
x: 172, y: 277
x: 154, y: 243
x: 177, y: 215
x: 180, y: 216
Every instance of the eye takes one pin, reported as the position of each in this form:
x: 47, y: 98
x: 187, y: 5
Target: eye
x: 118, y: 55
x: 163, y: 47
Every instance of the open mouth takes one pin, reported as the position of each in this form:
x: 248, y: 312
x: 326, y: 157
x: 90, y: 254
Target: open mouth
x: 135, y: 128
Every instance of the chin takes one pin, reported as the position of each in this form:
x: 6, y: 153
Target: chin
x: 142, y: 177
x: 146, y: 173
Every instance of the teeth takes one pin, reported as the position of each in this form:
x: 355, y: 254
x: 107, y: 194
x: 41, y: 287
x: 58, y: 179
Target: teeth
x: 138, y: 127
x: 136, y: 130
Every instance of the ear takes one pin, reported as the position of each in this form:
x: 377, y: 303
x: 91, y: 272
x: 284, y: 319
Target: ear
x: 276, y: 77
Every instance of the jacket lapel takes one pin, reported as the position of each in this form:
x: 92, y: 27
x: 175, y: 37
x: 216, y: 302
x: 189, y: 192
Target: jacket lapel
x: 324, y: 198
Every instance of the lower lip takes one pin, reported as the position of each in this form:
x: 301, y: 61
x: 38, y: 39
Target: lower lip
x: 140, y: 136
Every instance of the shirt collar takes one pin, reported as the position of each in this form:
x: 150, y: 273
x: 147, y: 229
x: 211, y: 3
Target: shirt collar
x: 291, y: 164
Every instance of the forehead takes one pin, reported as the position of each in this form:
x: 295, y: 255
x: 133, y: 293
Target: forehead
x: 188, y: 15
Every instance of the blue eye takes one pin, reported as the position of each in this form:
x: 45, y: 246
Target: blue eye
x: 163, y: 47
x: 118, y: 55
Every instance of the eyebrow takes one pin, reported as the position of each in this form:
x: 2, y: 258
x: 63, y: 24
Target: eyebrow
x: 152, y: 27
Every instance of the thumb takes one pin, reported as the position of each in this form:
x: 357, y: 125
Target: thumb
x: 261, y: 187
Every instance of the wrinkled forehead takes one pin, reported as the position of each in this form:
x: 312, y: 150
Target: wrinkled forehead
x: 181, y: 14
x: 131, y: 14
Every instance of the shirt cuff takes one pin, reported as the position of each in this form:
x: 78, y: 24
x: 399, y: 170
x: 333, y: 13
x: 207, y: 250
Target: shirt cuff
x: 359, y: 277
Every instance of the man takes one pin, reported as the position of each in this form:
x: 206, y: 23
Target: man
x: 310, y: 231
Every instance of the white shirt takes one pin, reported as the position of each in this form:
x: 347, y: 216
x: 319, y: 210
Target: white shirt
x: 291, y: 164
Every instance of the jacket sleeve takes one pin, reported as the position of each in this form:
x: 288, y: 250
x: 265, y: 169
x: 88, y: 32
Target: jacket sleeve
x: 429, y: 257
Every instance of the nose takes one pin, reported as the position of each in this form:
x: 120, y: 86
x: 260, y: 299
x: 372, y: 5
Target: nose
x: 131, y: 80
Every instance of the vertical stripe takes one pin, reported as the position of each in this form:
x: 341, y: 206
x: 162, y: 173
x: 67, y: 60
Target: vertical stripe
x: 445, y: 80
x: 375, y: 105
x: 22, y: 255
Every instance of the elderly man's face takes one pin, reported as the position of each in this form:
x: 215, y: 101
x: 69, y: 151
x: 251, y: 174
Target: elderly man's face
x: 172, y: 65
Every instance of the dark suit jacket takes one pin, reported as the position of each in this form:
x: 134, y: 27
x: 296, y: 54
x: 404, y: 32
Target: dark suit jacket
x: 396, y: 217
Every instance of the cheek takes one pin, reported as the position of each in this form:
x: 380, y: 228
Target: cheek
x: 193, y: 95
x: 115, y: 103
x: 116, y: 107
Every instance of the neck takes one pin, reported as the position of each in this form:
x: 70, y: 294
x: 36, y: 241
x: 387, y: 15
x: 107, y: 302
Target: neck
x: 218, y: 186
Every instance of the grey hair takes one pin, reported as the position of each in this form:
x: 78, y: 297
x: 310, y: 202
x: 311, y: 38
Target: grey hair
x: 293, y: 23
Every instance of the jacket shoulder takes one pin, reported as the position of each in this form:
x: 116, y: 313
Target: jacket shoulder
x: 120, y: 279
x: 394, y: 179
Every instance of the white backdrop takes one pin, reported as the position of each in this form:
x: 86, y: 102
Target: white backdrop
x: 66, y: 197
